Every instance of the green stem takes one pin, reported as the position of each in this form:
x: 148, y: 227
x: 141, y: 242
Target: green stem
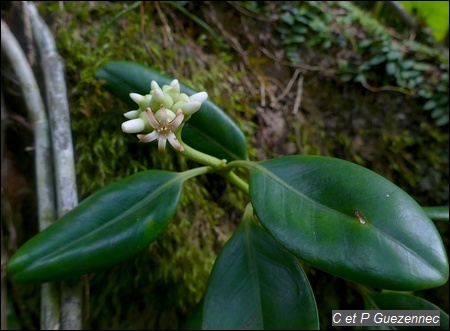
x: 240, y: 163
x: 196, y: 172
x: 439, y: 213
x: 236, y: 180
x: 212, y: 164
x: 198, y: 156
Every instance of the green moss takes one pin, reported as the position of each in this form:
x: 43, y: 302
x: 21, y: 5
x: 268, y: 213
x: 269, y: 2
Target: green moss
x: 162, y: 285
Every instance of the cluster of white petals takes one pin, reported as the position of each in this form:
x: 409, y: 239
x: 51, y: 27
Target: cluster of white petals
x: 161, y: 113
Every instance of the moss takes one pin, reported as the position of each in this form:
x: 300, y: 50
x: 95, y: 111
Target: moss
x: 162, y: 285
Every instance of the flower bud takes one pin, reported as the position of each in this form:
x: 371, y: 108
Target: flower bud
x: 133, y: 126
x: 191, y: 107
x: 161, y: 98
x: 158, y: 95
x: 146, y: 102
x: 132, y: 114
x: 184, y: 97
x: 154, y: 85
x: 200, y: 96
x: 137, y: 98
x: 175, y: 87
x: 178, y: 105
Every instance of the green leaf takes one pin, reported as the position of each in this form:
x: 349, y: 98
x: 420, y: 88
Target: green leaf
x: 438, y: 112
x: 287, y: 17
x: 365, y: 43
x: 256, y: 284
x: 387, y: 300
x: 408, y: 64
x: 209, y: 130
x: 327, y: 44
x: 442, y: 120
x: 394, y: 55
x: 107, y: 228
x: 421, y: 66
x: 346, y: 77
x: 391, y: 68
x: 194, y: 320
x: 406, y: 74
x: 318, y: 26
x: 315, y: 207
x: 300, y: 29
x: 294, y: 39
x: 433, y: 13
x: 283, y: 30
x: 425, y: 93
x: 361, y: 78
x: 377, y: 59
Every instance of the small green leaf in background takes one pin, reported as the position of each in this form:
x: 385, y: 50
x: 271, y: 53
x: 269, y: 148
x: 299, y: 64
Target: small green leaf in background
x: 348, y: 221
x: 256, y: 284
x: 388, y: 300
x: 209, y: 130
x: 107, y: 228
x: 433, y: 13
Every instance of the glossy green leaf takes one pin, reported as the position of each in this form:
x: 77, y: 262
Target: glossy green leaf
x: 210, y: 130
x: 349, y: 221
x: 194, y: 320
x: 402, y: 301
x: 256, y: 284
x: 107, y: 228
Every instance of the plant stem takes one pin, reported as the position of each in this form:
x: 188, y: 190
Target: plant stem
x: 439, y: 213
x: 63, y: 158
x: 196, y: 172
x: 240, y: 163
x: 198, y: 156
x: 236, y: 180
x: 44, y: 179
x: 214, y: 163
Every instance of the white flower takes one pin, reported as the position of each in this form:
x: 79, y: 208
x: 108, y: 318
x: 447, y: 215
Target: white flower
x: 174, y: 109
x: 165, y: 123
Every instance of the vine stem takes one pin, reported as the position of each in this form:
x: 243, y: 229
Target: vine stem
x: 214, y: 164
x: 238, y: 181
x: 42, y: 147
x: 198, y: 156
x: 63, y: 157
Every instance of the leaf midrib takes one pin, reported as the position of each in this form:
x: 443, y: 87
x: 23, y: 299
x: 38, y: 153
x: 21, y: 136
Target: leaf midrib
x: 302, y: 195
x: 117, y: 218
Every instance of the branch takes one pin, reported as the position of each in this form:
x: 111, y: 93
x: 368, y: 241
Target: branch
x: 42, y: 149
x: 64, y: 165
x: 403, y: 14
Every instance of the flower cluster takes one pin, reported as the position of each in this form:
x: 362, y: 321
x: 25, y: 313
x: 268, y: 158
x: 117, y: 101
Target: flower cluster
x: 161, y: 113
